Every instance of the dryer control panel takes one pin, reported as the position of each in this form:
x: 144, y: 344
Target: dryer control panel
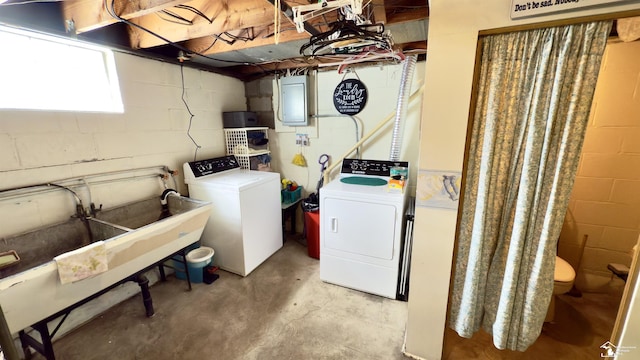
x: 211, y: 166
x: 370, y: 167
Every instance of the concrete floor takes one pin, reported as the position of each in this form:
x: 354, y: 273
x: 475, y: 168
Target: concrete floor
x: 280, y: 311
x: 283, y: 311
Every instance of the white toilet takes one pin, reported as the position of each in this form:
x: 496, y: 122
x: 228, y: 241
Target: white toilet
x: 563, y: 278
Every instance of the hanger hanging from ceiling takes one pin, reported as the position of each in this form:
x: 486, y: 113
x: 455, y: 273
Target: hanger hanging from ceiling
x: 346, y: 37
x: 304, y: 13
x: 395, y: 56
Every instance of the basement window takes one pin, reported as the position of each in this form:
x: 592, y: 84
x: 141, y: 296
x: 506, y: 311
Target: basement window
x: 43, y: 72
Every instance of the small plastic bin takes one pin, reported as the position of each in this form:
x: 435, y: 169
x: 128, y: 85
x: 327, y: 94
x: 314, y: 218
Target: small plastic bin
x: 197, y: 260
x: 289, y: 196
x: 311, y: 208
x: 312, y: 228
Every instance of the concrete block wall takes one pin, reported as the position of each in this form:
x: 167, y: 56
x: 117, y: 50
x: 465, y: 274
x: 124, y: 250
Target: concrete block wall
x: 44, y: 146
x: 605, y: 203
x: 259, y: 100
x: 335, y: 134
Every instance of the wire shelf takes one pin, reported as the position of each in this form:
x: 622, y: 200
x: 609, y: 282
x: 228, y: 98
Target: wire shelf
x: 246, y: 142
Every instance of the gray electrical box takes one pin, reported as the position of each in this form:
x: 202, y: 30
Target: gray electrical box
x: 294, y: 99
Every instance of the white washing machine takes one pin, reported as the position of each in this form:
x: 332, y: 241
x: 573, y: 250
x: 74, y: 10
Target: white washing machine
x: 361, y: 228
x: 245, y: 226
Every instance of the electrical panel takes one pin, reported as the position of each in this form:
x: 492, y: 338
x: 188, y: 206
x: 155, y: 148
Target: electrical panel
x: 294, y: 92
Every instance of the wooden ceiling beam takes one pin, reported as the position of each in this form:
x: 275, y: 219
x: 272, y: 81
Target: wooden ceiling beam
x: 379, y: 12
x: 205, y: 47
x: 405, y: 16
x: 227, y: 15
x: 89, y: 15
x: 288, y: 12
x: 263, y: 36
x: 251, y: 72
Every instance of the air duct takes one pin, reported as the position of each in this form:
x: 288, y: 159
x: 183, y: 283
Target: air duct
x: 401, y: 109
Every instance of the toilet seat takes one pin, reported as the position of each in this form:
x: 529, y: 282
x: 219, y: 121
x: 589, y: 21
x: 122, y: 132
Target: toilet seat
x: 564, y: 272
x: 563, y: 277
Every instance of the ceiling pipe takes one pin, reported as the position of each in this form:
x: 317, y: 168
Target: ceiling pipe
x: 288, y: 12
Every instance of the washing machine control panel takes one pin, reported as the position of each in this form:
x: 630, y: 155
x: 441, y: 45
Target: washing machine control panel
x: 211, y: 166
x: 370, y: 167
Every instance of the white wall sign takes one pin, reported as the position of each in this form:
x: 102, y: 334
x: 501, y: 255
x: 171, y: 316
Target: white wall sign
x: 522, y: 8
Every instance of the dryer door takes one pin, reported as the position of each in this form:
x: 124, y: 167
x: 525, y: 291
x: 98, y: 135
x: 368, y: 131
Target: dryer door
x: 359, y: 227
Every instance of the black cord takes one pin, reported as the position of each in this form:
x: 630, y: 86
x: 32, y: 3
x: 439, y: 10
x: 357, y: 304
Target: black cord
x: 242, y: 38
x: 215, y: 40
x: 219, y: 37
x: 346, y: 29
x: 233, y: 38
x: 111, y: 10
x: 195, y: 11
x: 180, y: 19
x: 191, y: 115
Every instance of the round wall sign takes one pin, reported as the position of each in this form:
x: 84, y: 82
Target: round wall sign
x: 350, y: 96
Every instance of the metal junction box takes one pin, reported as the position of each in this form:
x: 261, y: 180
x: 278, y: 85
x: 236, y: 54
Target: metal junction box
x: 294, y: 92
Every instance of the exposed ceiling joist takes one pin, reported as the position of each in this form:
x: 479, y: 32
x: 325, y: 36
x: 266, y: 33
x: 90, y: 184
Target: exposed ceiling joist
x: 227, y: 15
x: 89, y: 15
x: 264, y: 36
x: 288, y: 12
x: 398, y: 17
x: 208, y: 45
x: 250, y: 72
x: 236, y: 36
x: 379, y: 14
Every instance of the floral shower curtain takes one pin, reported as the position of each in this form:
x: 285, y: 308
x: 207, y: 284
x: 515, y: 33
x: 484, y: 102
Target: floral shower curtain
x: 535, y: 93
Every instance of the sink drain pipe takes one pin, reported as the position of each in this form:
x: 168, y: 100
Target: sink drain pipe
x: 401, y: 110
x: 143, y: 282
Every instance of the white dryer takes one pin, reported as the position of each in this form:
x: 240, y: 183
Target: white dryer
x: 245, y: 226
x: 361, y: 228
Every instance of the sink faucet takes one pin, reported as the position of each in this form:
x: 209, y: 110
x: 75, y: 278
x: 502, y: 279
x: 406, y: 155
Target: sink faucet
x: 80, y: 211
x: 94, y: 210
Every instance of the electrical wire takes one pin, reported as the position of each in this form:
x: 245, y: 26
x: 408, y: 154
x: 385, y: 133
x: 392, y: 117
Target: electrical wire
x: 241, y: 38
x: 195, y: 11
x: 112, y: 12
x: 191, y: 115
x: 215, y: 40
x: 278, y: 106
x: 346, y: 36
x: 219, y: 37
x: 180, y: 19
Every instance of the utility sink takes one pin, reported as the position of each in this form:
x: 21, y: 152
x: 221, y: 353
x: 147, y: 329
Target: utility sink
x: 136, y: 236
x: 40, y: 246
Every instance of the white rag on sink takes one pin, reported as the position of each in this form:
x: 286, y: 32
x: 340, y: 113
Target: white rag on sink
x: 82, y: 263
